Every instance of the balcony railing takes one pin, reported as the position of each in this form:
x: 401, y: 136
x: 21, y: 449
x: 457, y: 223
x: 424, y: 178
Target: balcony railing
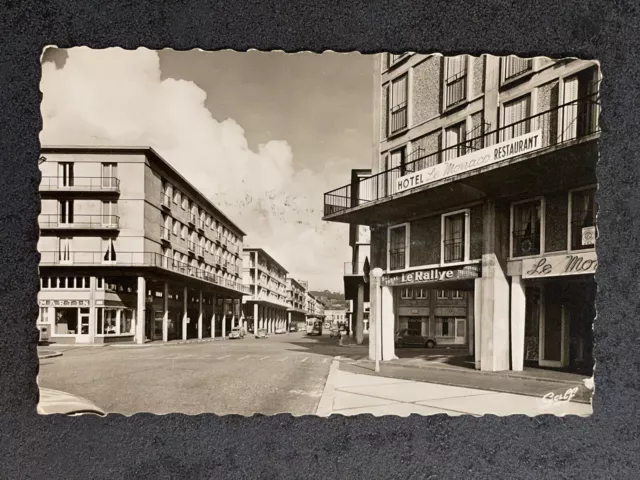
x: 192, y: 218
x: 165, y: 200
x: 200, y: 251
x: 80, y: 184
x: 78, y: 222
x: 137, y: 259
x: 165, y: 233
x: 200, y: 224
x: 568, y: 122
x: 191, y: 245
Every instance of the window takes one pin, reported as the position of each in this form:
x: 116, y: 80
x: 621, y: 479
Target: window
x: 109, y: 174
x: 109, y: 212
x: 65, y: 208
x: 455, y: 80
x: 176, y: 227
x: 176, y: 197
x: 64, y: 250
x: 65, y: 172
x: 114, y: 321
x: 582, y: 207
x: 394, y: 58
x: 455, y: 137
x: 457, y: 295
x: 185, y: 203
x: 516, y: 118
x: 445, y: 327
x: 513, y: 67
x: 183, y: 232
x: 398, y: 104
x: 443, y: 294
x: 421, y: 292
x: 398, y: 255
x: 406, y: 293
x: 455, y: 237
x: 526, y: 228
x: 109, y: 249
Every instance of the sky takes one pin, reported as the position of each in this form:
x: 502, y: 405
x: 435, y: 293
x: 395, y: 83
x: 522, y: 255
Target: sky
x: 262, y: 134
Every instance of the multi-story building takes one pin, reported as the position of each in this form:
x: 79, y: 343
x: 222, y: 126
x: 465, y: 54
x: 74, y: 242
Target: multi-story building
x: 296, y: 313
x: 266, y: 303
x: 336, y: 316
x: 131, y: 250
x: 483, y: 185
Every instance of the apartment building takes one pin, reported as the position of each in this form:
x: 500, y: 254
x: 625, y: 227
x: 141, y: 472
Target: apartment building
x: 336, y: 316
x: 483, y: 186
x: 131, y: 251
x: 267, y: 304
x: 296, y: 313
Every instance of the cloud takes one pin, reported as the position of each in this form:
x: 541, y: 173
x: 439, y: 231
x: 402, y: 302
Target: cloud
x: 118, y: 97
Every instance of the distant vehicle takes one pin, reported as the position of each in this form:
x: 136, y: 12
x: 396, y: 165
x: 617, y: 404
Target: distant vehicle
x: 280, y: 330
x: 334, y: 332
x: 408, y: 337
x: 293, y: 327
x: 315, y: 328
x: 55, y: 401
x: 262, y: 333
x: 236, y: 333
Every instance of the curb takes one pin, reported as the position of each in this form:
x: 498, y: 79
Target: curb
x: 44, y: 356
x: 325, y: 406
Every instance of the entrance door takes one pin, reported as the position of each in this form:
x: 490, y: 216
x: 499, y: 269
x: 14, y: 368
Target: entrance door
x: 461, y: 331
x: 83, y: 326
x: 554, y: 334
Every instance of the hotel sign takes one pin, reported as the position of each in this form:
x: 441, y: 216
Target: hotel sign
x: 433, y: 275
x: 64, y: 303
x: 481, y: 158
x: 560, y: 265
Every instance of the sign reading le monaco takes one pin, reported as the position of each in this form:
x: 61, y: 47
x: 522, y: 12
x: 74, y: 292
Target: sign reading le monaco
x: 559, y: 265
x: 435, y: 274
x: 481, y: 158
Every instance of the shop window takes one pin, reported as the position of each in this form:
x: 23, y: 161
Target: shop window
x: 421, y: 292
x: 66, y: 321
x: 457, y: 295
x: 455, y: 237
x: 516, y: 118
x: 43, y: 316
x: 582, y: 205
x: 398, y: 247
x: 445, y: 327
x: 443, y: 294
x: 406, y: 293
x: 526, y: 233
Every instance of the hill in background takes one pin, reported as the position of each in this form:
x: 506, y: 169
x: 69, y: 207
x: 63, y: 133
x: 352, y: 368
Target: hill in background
x: 331, y: 300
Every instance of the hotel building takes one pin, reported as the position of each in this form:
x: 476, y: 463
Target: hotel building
x: 267, y: 302
x: 131, y: 251
x: 481, y: 204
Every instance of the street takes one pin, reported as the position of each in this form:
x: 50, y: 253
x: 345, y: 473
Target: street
x: 281, y: 374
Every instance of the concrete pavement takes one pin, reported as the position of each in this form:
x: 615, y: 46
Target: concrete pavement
x: 348, y: 393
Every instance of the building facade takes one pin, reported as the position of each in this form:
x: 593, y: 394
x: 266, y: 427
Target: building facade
x: 483, y: 186
x: 267, y: 305
x: 336, y: 317
x: 297, y: 299
x: 130, y: 250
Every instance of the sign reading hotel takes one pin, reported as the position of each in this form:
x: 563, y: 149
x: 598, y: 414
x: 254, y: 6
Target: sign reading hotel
x: 560, y: 265
x: 432, y: 275
x: 481, y: 158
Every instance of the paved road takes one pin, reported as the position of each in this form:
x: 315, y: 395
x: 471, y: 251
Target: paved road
x: 284, y: 373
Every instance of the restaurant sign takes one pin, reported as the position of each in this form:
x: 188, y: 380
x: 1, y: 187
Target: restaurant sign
x: 480, y: 158
x: 560, y: 265
x: 433, y: 275
x: 64, y: 303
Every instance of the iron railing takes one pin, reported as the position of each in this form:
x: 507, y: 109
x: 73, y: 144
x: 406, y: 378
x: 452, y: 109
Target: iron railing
x: 453, y: 250
x: 565, y: 123
x: 80, y: 184
x: 137, y: 259
x: 525, y: 243
x: 98, y: 222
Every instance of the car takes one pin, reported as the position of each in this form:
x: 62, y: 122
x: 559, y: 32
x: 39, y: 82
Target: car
x: 334, y: 332
x: 55, y: 401
x: 293, y: 327
x: 280, y: 330
x: 262, y: 333
x: 409, y: 337
x: 236, y: 333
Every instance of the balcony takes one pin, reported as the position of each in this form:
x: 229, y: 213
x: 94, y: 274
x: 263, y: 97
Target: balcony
x: 165, y: 234
x: 79, y: 222
x: 200, y: 225
x: 191, y: 245
x: 80, y: 184
x: 165, y: 200
x: 570, y: 124
x: 192, y: 218
x: 137, y: 259
x: 200, y: 251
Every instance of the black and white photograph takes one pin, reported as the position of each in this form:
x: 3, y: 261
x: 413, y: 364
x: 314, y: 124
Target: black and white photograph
x: 317, y: 233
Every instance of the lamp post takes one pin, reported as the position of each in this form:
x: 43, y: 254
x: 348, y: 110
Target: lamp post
x: 377, y: 275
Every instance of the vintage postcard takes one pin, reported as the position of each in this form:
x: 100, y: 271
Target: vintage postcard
x: 263, y: 232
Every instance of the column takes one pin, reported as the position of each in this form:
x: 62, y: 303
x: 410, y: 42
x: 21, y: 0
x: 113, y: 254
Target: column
x: 165, y: 313
x: 471, y: 321
x: 374, y: 316
x: 224, y: 318
x: 184, y: 313
x: 518, y: 307
x: 388, y: 319
x: 256, y: 312
x: 359, y: 312
x: 288, y: 321
x: 200, y: 318
x: 140, y: 310
x: 213, y: 317
x: 494, y: 323
x: 477, y: 317
x: 93, y: 311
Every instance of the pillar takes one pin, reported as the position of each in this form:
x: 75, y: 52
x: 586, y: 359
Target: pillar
x: 165, y: 313
x: 93, y: 311
x: 224, y: 318
x: 388, y: 319
x: 200, y: 318
x: 477, y: 317
x: 288, y: 321
x: 494, y: 318
x: 256, y: 312
x: 213, y: 317
x: 140, y: 310
x: 184, y: 313
x: 518, y: 306
x: 374, y: 317
x: 359, y: 312
x: 471, y: 321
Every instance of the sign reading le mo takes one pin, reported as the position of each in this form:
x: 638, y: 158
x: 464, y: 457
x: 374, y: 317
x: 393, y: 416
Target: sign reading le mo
x: 481, y: 158
x: 560, y: 265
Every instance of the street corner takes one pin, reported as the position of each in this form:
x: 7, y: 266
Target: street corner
x: 46, y: 355
x: 325, y: 405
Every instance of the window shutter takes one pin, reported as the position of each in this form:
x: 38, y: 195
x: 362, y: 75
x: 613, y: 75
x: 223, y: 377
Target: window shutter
x: 570, y: 110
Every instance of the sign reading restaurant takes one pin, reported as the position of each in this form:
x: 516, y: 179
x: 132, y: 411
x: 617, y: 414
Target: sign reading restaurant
x: 431, y: 275
x: 481, y: 158
x: 560, y: 265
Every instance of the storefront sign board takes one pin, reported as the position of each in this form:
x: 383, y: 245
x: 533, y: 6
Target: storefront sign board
x: 64, y: 303
x: 433, y: 275
x: 560, y: 265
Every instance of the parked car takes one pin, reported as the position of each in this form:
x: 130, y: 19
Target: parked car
x: 280, y: 330
x: 55, y: 401
x: 293, y: 327
x: 236, y: 333
x: 408, y: 337
x: 262, y: 333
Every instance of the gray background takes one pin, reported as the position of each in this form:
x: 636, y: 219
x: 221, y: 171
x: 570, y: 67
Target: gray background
x: 207, y: 446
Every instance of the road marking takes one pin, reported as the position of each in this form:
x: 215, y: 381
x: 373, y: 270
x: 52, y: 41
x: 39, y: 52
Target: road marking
x: 242, y: 358
x: 304, y: 359
x: 284, y: 359
x: 325, y: 360
x: 263, y: 358
x: 224, y: 356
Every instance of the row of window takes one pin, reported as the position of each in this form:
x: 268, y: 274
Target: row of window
x: 526, y: 227
x: 75, y: 321
x: 67, y: 212
x: 211, y: 269
x: 447, y: 327
x: 423, y: 293
x: 192, y: 236
x: 68, y: 178
x: 84, y: 283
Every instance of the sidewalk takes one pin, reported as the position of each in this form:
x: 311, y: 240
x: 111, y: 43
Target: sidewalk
x: 351, y: 393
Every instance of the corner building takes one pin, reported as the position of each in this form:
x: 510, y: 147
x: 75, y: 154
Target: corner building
x: 481, y: 205
x: 131, y: 251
